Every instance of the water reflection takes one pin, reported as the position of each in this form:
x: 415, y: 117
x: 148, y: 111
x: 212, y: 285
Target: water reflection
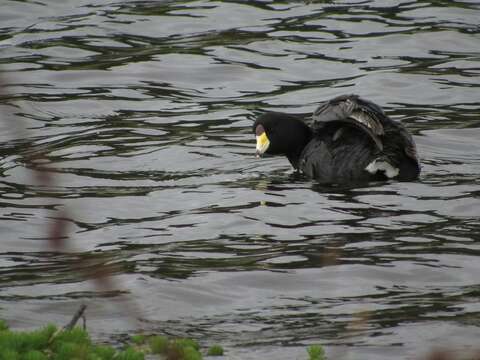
x: 143, y: 111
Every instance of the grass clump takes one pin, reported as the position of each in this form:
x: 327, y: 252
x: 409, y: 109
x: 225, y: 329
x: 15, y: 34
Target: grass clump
x: 176, y: 349
x: 215, y: 350
x: 35, y: 355
x: 130, y: 354
x: 23, y: 342
x: 316, y: 352
x: 158, y: 344
x: 7, y: 354
x: 50, y: 343
x: 104, y: 352
x: 187, y: 349
x: 186, y: 343
x: 190, y: 353
x: 139, y: 339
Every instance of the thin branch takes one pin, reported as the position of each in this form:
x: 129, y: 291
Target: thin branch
x: 76, y: 316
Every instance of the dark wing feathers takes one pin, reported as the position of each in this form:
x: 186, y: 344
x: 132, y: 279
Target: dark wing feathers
x: 391, y: 138
x: 352, y: 109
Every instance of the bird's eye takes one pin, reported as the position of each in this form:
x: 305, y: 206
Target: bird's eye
x: 259, y: 130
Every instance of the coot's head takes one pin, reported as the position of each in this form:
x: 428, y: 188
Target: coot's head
x: 281, y: 134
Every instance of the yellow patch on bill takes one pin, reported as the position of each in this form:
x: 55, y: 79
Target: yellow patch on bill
x: 262, y: 143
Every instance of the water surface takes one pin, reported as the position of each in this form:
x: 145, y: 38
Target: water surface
x: 143, y: 111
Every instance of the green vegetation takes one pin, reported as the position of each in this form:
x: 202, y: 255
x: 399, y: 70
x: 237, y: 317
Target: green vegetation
x: 138, y: 339
x: 316, y: 352
x: 49, y: 343
x: 3, y: 325
x: 175, y: 349
x: 158, y: 344
x: 215, y: 350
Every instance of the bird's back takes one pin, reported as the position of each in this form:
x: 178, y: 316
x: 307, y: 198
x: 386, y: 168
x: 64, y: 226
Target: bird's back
x: 336, y: 160
x: 355, y: 140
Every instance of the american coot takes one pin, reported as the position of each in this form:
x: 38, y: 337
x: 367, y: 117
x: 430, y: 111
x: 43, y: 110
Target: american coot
x: 350, y: 140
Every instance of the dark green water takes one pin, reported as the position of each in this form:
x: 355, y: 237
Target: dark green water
x: 144, y: 111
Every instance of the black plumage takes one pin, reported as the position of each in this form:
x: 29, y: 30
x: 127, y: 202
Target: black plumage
x: 350, y: 140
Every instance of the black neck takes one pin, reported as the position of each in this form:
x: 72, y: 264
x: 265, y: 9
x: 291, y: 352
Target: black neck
x: 294, y: 155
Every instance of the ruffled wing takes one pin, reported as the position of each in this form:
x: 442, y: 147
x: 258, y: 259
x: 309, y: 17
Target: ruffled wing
x: 354, y: 110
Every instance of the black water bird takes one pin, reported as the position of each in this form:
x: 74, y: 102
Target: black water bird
x: 350, y: 140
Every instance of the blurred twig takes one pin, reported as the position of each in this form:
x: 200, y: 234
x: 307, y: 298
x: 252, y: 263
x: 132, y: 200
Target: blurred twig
x: 58, y: 236
x: 79, y: 314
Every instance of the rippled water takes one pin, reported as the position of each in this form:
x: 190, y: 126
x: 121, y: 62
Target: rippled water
x: 143, y: 110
